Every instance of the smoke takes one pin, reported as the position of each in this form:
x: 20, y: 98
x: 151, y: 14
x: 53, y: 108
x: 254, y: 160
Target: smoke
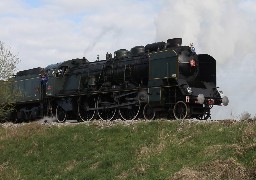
x: 47, y: 119
x: 103, y: 32
x: 225, y: 29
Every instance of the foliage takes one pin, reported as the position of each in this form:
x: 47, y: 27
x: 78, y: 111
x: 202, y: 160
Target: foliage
x: 245, y: 116
x: 8, y: 62
x: 8, y: 96
x: 146, y: 150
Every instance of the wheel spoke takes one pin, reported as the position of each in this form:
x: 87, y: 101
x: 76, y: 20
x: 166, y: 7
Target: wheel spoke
x: 60, y: 114
x: 206, y: 114
x: 148, y: 112
x: 180, y: 110
x: 84, y: 111
x: 105, y: 112
x: 129, y: 112
x: 49, y: 111
x: 129, y: 106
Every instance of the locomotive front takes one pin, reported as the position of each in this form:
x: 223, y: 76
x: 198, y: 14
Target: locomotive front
x: 197, y: 82
x: 181, y: 81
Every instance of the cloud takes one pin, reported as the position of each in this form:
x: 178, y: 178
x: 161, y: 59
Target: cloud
x: 225, y: 29
x: 220, y: 27
x: 46, y: 32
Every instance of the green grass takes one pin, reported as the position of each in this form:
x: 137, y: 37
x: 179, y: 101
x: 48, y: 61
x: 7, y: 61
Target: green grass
x: 145, y: 150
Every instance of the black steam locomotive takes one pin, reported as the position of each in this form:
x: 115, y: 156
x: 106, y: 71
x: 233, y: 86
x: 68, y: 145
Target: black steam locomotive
x: 161, y: 79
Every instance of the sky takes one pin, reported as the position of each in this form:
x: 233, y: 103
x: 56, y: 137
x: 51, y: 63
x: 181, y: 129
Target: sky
x: 44, y: 32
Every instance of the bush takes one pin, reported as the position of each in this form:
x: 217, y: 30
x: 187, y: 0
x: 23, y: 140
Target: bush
x: 7, y: 99
x: 245, y: 116
x: 8, y: 62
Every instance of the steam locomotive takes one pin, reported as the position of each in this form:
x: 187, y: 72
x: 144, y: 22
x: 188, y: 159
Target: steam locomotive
x: 163, y: 79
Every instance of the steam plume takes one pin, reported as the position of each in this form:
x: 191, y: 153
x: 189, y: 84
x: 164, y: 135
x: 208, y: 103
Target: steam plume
x: 225, y: 29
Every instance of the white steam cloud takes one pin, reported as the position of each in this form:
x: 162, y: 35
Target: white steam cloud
x: 225, y: 29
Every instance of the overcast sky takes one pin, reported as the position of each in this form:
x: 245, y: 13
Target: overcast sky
x: 45, y: 32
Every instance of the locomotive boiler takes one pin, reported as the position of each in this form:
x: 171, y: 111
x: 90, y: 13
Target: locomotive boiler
x: 163, y: 79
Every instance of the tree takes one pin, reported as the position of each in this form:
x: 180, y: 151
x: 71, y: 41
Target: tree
x: 8, y: 62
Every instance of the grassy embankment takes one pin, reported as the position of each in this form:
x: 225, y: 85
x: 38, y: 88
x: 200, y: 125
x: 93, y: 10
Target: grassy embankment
x: 152, y: 150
